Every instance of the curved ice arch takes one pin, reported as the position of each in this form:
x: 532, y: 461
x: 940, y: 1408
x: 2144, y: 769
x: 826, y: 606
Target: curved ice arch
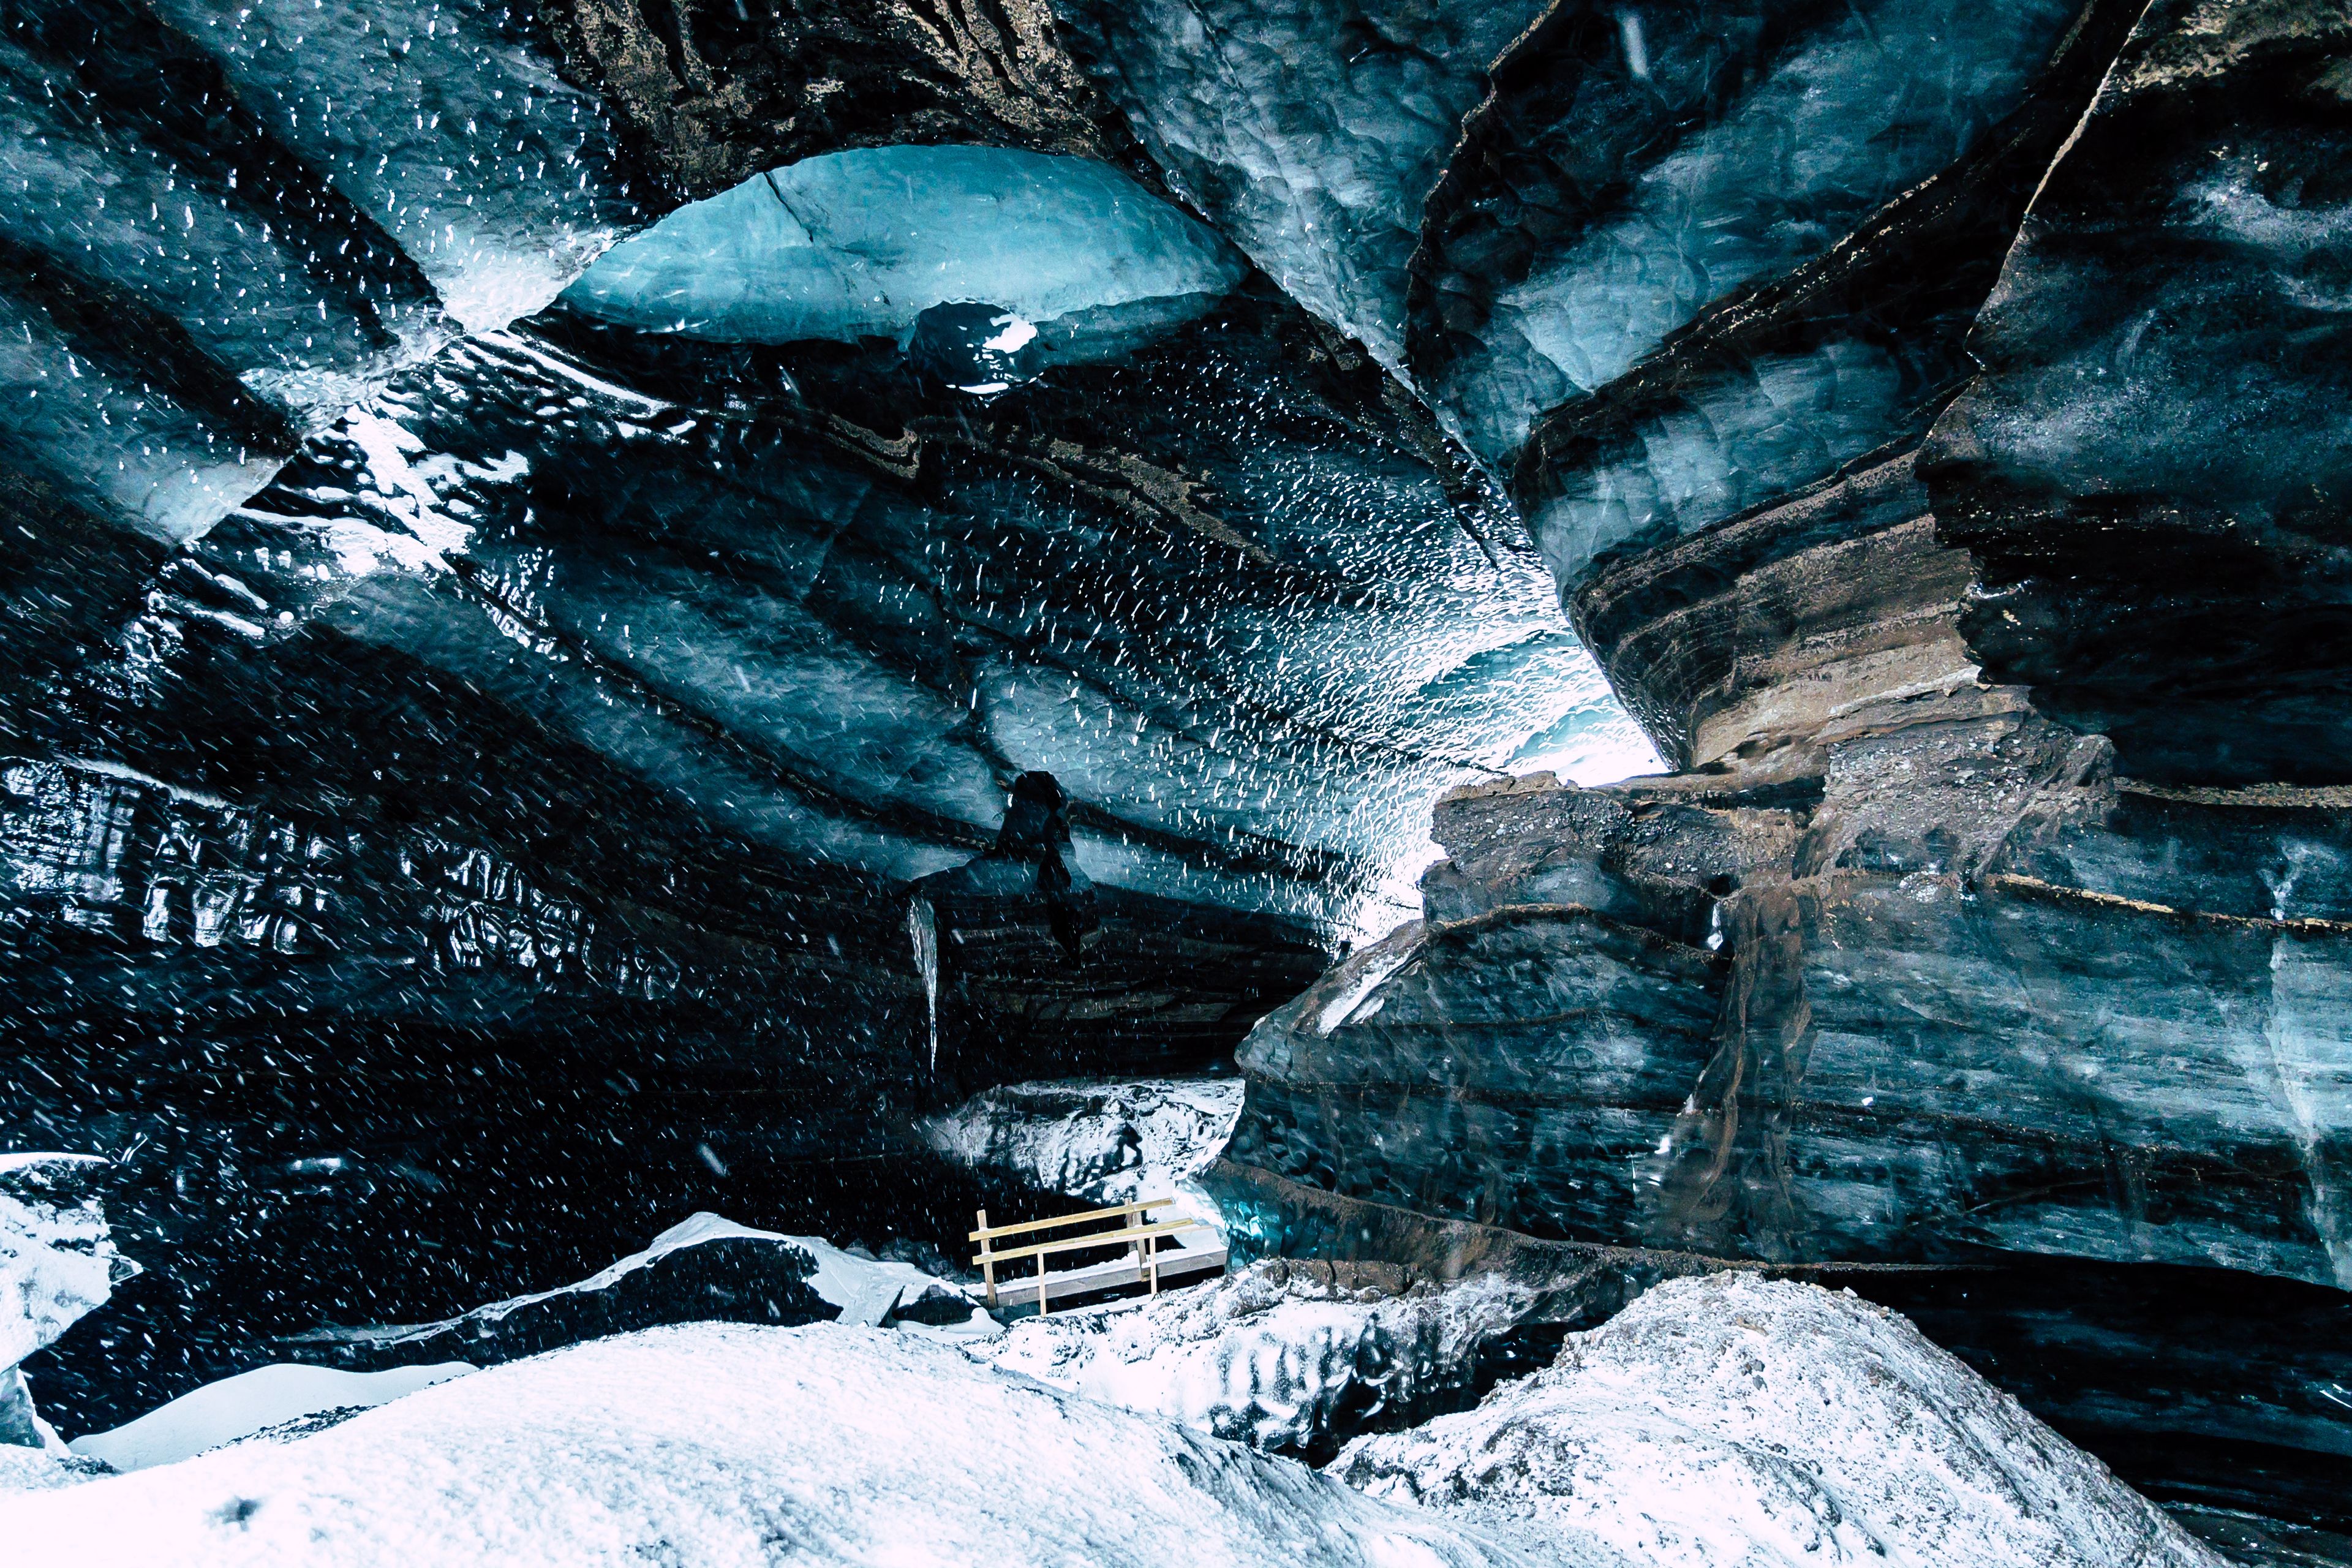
x: 859, y: 244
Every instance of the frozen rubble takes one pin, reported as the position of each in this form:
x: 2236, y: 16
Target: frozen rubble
x: 718, y: 1445
x: 1730, y: 1421
x: 1288, y: 1357
x: 1112, y: 1141
x: 56, y: 1263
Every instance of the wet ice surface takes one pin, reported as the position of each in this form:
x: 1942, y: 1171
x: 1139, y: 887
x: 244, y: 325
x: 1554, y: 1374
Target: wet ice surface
x: 225, y: 230
x: 718, y: 1444
x: 1311, y: 130
x: 1238, y: 617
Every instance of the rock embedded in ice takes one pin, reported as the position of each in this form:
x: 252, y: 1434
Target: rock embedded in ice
x: 862, y: 243
x: 734, y: 1443
x: 1734, y: 1421
x: 704, y: 1269
x: 1092, y: 1139
x: 1288, y: 1357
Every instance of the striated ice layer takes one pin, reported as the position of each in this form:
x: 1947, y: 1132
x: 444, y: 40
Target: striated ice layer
x: 227, y: 224
x: 1746, y: 438
x: 1249, y: 632
x: 1309, y: 130
x: 861, y: 242
x: 162, y: 461
x: 1731, y: 1420
x: 1831, y: 119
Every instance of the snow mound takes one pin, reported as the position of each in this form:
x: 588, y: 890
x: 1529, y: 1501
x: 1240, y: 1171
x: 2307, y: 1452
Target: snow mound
x: 720, y: 1444
x: 1285, y: 1357
x: 1734, y: 1421
x: 233, y: 1408
x: 1107, y: 1141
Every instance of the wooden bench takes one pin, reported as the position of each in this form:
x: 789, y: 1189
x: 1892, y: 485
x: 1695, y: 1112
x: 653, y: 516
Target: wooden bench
x: 1144, y: 1265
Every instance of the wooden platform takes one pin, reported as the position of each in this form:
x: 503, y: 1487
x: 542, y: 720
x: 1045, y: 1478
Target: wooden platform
x: 1145, y: 1263
x: 1017, y: 1298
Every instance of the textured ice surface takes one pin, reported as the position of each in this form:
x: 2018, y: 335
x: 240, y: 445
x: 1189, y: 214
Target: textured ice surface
x: 240, y: 1406
x: 1828, y: 118
x: 1103, y: 1140
x: 1308, y: 129
x: 1734, y: 1421
x: 446, y: 125
x: 1777, y: 425
x: 861, y: 242
x: 225, y: 224
x: 1282, y: 1356
x: 719, y: 1444
x: 702, y: 590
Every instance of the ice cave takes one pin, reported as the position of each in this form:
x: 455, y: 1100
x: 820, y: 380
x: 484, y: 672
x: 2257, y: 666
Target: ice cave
x: 1433, y: 784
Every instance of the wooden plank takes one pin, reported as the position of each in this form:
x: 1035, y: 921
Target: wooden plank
x: 1173, y: 1266
x: 985, y: 1231
x: 987, y: 1268
x: 1103, y: 1238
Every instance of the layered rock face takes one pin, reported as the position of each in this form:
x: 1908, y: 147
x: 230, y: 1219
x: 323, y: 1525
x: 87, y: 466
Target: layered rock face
x: 1997, y: 905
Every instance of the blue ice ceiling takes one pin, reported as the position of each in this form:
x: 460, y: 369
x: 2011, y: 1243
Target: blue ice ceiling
x: 862, y: 243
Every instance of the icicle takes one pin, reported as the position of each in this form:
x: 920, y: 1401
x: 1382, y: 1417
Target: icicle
x: 923, y: 930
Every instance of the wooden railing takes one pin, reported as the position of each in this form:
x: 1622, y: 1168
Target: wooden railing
x: 1140, y: 1236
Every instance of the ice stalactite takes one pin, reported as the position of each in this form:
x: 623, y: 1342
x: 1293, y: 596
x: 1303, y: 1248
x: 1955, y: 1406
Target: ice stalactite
x: 922, y: 930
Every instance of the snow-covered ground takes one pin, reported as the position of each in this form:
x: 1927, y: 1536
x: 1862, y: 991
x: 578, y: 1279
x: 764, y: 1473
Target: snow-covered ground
x: 1279, y: 1355
x: 1722, y: 1422
x: 1715, y: 1423
x: 722, y: 1444
x: 1735, y: 1422
x: 1110, y: 1141
x: 256, y: 1402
